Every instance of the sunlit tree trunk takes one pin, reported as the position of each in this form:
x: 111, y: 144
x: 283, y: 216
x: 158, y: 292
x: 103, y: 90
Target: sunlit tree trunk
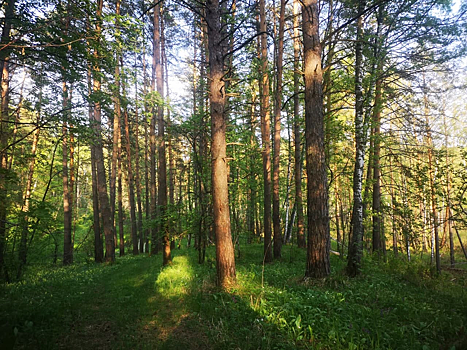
x: 224, y: 248
x: 319, y: 243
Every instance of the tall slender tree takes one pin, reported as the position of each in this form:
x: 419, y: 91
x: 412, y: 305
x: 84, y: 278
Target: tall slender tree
x: 265, y: 130
x: 104, y: 205
x: 277, y: 134
x: 356, y: 243
x: 297, y: 138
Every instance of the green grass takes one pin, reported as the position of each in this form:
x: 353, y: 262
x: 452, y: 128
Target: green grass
x: 137, y: 304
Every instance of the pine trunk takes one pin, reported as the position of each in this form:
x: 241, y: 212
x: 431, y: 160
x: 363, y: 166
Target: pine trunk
x: 225, y: 263
x: 319, y: 243
x: 301, y: 241
x: 265, y: 132
x: 99, y: 154
x: 277, y: 136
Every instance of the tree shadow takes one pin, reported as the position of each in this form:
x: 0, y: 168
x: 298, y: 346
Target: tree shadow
x: 212, y: 319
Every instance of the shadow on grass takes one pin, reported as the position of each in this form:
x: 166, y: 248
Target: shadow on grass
x: 211, y: 319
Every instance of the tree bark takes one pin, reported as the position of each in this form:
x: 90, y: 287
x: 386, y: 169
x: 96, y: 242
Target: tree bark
x: 301, y: 241
x: 4, y: 130
x: 99, y: 154
x: 225, y: 263
x: 277, y: 136
x: 431, y: 178
x: 98, y: 243
x: 265, y: 132
x: 163, y: 199
x: 377, y: 213
x: 152, y: 133
x: 319, y: 243
x: 356, y: 242
x: 67, y: 188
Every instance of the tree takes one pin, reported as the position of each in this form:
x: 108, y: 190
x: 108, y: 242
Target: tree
x: 225, y: 258
x: 265, y: 131
x: 103, y: 197
x: 4, y: 128
x: 356, y: 244
x: 277, y: 134
x: 319, y: 243
x: 296, y: 121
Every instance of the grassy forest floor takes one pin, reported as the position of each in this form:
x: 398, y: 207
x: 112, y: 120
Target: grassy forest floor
x: 137, y: 304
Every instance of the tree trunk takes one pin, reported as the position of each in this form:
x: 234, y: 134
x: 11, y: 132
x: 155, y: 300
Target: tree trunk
x: 98, y: 243
x: 297, y: 139
x: 356, y: 244
x: 277, y: 136
x: 319, y: 243
x: 137, y: 171
x: 225, y: 254
x: 265, y: 132
x: 4, y: 130
x: 67, y: 188
x: 431, y: 178
x: 152, y: 132
x: 121, y: 228
x: 162, y: 194
x: 131, y: 186
x: 377, y: 213
x: 27, y: 196
x: 99, y: 154
x: 116, y: 137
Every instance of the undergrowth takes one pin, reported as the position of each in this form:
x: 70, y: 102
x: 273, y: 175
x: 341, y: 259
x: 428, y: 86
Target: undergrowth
x: 137, y: 304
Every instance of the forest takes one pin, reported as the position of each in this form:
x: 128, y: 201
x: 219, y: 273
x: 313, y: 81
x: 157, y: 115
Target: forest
x: 233, y: 174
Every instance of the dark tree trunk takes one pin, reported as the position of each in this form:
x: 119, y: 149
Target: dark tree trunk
x: 301, y: 241
x: 377, y: 213
x: 265, y: 133
x: 98, y: 243
x: 67, y: 188
x: 356, y: 240
x: 152, y: 134
x: 99, y: 154
x: 4, y: 130
x: 162, y: 194
x: 277, y: 136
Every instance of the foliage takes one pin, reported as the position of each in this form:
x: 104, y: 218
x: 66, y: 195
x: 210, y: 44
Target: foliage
x: 390, y: 306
